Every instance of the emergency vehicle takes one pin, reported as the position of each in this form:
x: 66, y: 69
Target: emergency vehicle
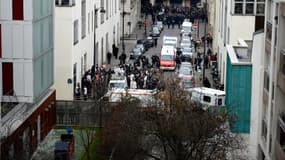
x: 208, y: 97
x: 145, y: 96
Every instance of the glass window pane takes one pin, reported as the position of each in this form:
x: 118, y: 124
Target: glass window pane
x: 260, y: 8
x: 249, y: 8
x: 238, y: 8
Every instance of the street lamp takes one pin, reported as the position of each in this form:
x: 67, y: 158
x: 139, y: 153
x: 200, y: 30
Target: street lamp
x: 145, y: 23
x: 205, y: 32
x: 123, y: 28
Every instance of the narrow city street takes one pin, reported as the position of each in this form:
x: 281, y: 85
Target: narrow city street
x: 139, y: 33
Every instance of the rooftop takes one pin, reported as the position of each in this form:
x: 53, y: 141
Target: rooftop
x: 240, y: 54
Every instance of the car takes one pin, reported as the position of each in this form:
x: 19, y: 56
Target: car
x: 136, y: 53
x: 186, y: 74
x: 155, y: 32
x: 185, y: 43
x: 160, y: 25
x: 141, y: 46
x: 186, y: 65
x: 186, y: 83
x: 147, y: 43
x: 187, y: 54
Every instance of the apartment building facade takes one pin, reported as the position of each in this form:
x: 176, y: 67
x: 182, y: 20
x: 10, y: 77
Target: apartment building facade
x: 132, y: 14
x: 233, y: 19
x: 26, y: 76
x: 85, y: 31
x: 267, y: 136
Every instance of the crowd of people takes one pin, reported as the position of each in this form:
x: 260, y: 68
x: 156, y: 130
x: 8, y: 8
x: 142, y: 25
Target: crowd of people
x: 97, y: 77
x: 140, y: 78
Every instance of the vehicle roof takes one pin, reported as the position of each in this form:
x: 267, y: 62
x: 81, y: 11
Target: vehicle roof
x: 185, y: 64
x: 185, y: 23
x: 210, y: 91
x: 134, y: 91
x: 167, y: 50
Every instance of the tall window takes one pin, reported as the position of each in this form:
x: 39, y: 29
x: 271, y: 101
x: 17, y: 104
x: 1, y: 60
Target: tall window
x: 266, y: 81
x: 102, y: 14
x: 95, y: 17
x: 88, y: 23
x: 75, y: 32
x: 107, y: 9
x: 83, y: 19
x: 0, y: 42
x: 18, y: 10
x: 8, y: 79
x: 282, y: 61
x: 92, y: 21
x: 251, y: 7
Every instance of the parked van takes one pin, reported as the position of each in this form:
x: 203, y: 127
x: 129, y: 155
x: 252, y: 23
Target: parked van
x: 168, y: 58
x: 208, y: 97
x: 186, y: 28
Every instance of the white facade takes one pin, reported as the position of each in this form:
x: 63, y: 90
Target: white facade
x: 132, y: 9
x: 228, y: 26
x: 267, y: 137
x: 27, y: 44
x: 75, y: 24
x: 256, y: 92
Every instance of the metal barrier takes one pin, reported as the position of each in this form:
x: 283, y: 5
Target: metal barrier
x: 84, y: 113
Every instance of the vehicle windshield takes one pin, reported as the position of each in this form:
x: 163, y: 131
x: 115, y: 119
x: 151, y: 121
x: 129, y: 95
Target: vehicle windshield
x: 169, y: 44
x: 186, y: 28
x: 155, y: 29
x: 185, y: 71
x: 167, y: 57
x: 137, y: 50
x: 139, y: 46
x: 187, y: 50
x: 117, y: 85
x: 186, y: 40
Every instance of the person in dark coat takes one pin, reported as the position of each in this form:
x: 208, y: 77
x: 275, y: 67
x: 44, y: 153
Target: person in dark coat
x: 109, y: 56
x: 206, y: 83
x: 116, y: 52
x: 155, y: 42
x: 113, y: 49
x: 122, y: 58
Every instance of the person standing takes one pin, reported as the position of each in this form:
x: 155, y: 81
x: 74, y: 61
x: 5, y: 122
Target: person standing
x: 116, y: 52
x: 85, y: 92
x: 113, y: 49
x: 155, y: 42
x: 109, y: 56
x: 77, y: 91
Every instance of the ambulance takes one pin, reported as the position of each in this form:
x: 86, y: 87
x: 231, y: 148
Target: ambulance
x: 167, y: 58
x: 208, y: 97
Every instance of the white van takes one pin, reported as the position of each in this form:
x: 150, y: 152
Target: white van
x: 208, y: 97
x: 186, y: 28
x: 145, y: 96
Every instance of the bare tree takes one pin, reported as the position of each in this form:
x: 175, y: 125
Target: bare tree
x: 86, y: 135
x: 173, y: 128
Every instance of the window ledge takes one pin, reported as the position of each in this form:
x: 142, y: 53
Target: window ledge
x: 74, y: 43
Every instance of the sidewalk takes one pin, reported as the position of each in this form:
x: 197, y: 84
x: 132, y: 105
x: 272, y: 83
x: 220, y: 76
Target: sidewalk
x: 130, y: 42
